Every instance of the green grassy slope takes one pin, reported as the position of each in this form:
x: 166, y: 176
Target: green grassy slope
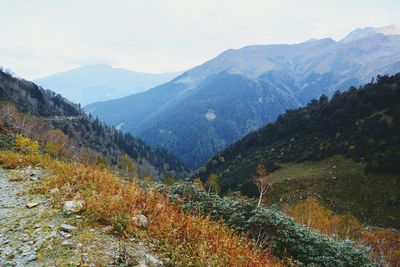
x: 343, y: 185
x: 357, y: 131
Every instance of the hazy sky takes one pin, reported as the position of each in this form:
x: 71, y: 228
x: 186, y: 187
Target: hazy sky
x: 41, y: 37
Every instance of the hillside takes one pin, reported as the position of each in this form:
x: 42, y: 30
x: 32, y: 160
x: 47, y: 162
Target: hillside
x: 213, y: 105
x: 71, y: 213
x: 93, y: 83
x: 43, y: 110
x: 344, y: 150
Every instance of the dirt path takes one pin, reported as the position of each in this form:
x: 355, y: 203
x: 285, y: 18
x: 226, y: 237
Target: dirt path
x: 19, y: 239
x: 33, y: 237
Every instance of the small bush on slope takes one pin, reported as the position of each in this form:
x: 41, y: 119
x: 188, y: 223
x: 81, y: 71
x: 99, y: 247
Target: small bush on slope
x: 270, y: 228
x: 186, y: 239
x: 384, y: 244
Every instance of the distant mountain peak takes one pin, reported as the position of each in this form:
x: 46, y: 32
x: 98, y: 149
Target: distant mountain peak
x: 212, y: 105
x: 100, y: 82
x: 389, y: 30
x: 361, y: 33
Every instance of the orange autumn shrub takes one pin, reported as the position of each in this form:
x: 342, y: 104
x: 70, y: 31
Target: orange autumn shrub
x: 185, y: 239
x: 385, y: 246
x: 315, y: 216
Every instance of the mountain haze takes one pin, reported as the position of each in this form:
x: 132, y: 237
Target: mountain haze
x: 212, y: 105
x: 94, y: 83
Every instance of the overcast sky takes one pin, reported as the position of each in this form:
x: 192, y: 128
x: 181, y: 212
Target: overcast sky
x: 41, y: 37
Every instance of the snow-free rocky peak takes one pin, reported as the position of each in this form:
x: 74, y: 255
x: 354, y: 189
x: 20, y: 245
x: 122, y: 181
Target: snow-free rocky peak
x: 359, y: 33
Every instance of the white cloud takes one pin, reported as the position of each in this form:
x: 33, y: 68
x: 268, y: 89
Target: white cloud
x: 39, y: 37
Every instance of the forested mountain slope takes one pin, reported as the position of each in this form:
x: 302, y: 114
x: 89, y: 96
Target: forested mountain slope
x: 213, y: 105
x: 345, y: 150
x: 49, y: 110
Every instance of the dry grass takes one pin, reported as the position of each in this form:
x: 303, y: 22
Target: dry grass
x: 384, y: 243
x: 185, y: 239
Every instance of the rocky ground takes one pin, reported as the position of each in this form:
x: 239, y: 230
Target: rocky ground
x: 33, y: 233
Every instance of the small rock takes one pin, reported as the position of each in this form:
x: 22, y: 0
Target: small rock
x: 67, y: 243
x: 68, y: 228
x: 33, y: 174
x: 32, y: 205
x: 140, y: 220
x: 54, y: 191
x: 66, y: 235
x: 78, y: 217
x: 107, y: 229
x: 73, y: 206
x: 32, y: 258
x: 154, y: 262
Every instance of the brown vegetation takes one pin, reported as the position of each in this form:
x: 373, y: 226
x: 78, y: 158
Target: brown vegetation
x: 384, y: 243
x: 185, y: 239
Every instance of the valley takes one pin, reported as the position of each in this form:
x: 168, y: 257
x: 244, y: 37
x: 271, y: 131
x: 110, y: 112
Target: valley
x: 258, y: 133
x: 247, y: 88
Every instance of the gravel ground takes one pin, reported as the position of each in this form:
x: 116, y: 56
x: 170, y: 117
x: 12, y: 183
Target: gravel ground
x: 32, y: 236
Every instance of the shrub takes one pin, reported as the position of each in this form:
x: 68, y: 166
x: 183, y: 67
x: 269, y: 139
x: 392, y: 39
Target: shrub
x: 58, y: 144
x: 315, y: 216
x: 26, y: 145
x: 385, y: 246
x: 270, y: 228
x: 187, y: 240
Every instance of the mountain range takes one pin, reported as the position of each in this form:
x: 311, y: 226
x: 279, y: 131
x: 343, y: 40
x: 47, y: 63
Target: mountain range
x: 213, y: 105
x: 94, y: 83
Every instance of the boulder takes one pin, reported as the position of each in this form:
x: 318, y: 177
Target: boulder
x: 73, y: 206
x: 153, y: 261
x: 68, y: 228
x: 54, y: 191
x: 107, y: 229
x: 140, y: 220
x: 32, y: 205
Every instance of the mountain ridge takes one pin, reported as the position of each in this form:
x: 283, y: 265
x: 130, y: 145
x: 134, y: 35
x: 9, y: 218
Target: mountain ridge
x: 92, y: 83
x: 273, y: 78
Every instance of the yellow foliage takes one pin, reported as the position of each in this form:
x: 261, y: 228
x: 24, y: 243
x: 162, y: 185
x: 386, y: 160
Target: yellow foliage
x: 314, y: 215
x: 197, y: 181
x: 212, y: 183
x: 102, y: 162
x: 26, y: 145
x: 188, y: 240
x: 128, y: 167
x: 384, y: 244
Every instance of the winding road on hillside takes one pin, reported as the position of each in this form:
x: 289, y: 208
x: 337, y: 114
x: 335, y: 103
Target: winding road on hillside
x: 63, y: 118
